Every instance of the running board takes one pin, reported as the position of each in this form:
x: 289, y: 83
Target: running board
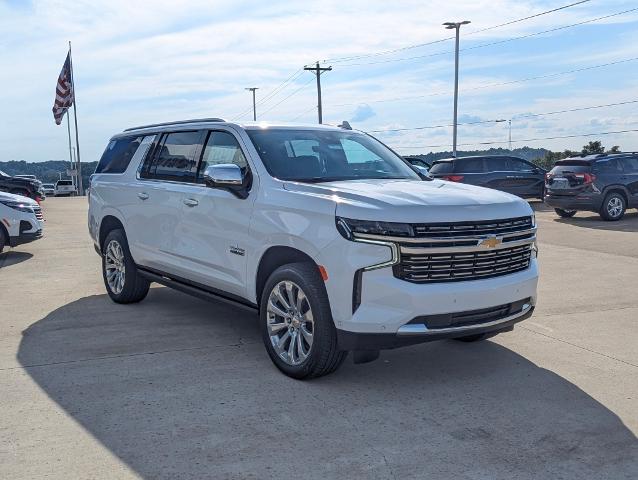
x: 202, y: 292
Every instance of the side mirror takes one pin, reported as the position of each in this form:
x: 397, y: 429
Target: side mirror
x: 227, y: 176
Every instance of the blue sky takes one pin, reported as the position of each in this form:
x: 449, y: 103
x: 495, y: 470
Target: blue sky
x: 143, y: 62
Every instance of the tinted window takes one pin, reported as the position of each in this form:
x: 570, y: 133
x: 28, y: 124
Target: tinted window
x: 118, y: 155
x: 222, y: 147
x: 174, y: 158
x: 630, y: 164
x: 64, y: 182
x: 441, y: 167
x: 470, y: 165
x: 516, y: 165
x: 326, y: 155
x: 609, y: 166
x: 496, y: 164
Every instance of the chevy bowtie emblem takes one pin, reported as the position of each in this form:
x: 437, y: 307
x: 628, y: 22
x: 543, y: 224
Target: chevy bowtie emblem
x: 491, y: 242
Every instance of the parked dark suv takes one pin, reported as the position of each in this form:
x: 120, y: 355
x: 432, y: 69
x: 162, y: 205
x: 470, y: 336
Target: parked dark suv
x: 606, y: 184
x: 21, y: 186
x: 509, y: 174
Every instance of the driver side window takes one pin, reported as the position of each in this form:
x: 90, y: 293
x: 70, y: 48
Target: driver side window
x: 221, y: 148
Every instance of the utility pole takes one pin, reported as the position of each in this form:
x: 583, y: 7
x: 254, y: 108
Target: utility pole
x: 253, y: 89
x: 317, y: 70
x: 457, y: 27
x: 510, y: 137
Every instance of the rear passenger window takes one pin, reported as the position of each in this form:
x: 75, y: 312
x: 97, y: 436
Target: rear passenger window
x: 174, y: 157
x: 118, y: 155
x: 441, y: 167
x: 221, y: 148
x: 496, y: 164
x: 515, y: 165
x: 630, y: 164
x: 470, y: 165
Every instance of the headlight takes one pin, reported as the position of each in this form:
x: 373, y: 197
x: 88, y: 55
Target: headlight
x: 348, y: 226
x: 21, y: 207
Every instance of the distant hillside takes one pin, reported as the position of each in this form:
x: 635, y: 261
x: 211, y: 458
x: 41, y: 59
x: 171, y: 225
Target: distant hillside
x: 528, y: 153
x: 47, y: 172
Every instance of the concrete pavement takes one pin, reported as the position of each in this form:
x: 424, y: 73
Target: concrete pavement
x: 175, y: 387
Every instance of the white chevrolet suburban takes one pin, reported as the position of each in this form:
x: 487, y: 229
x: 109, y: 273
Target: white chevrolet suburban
x: 336, y: 241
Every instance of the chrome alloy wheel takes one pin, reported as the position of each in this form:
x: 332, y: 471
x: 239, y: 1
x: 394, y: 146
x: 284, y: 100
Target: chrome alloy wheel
x: 290, y: 322
x: 614, y: 207
x: 114, y: 266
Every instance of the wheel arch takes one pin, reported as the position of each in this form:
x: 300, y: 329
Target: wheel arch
x: 621, y: 189
x: 273, y: 258
x: 108, y: 223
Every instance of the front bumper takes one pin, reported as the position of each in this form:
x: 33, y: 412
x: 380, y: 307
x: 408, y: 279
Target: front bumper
x: 412, y: 334
x: 25, y: 238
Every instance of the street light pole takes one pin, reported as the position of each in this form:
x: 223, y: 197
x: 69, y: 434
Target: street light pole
x: 253, y: 89
x: 456, y: 26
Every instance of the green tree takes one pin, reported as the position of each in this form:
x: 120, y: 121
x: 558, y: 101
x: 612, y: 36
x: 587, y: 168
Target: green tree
x: 593, y: 147
x: 614, y: 149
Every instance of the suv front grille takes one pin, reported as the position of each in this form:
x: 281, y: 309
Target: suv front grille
x: 38, y: 213
x: 473, y: 229
x: 451, y: 267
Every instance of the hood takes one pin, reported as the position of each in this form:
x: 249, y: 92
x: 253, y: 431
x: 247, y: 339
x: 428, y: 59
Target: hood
x: 18, y: 198
x: 416, y: 201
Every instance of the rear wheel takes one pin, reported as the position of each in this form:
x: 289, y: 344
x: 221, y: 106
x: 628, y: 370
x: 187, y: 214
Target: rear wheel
x: 123, y: 282
x: 565, y: 213
x: 296, y: 323
x: 613, y: 207
x: 4, y: 239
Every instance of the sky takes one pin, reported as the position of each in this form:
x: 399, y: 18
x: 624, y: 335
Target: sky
x: 139, y: 62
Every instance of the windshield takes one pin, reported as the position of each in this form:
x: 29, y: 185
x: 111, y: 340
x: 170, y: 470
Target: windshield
x: 326, y: 156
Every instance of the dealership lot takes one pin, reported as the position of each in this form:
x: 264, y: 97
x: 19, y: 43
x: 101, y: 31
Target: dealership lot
x: 175, y: 387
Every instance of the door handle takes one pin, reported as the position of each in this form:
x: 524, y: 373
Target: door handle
x: 142, y: 196
x: 191, y: 202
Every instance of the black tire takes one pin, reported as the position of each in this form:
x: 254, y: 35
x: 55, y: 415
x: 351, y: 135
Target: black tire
x: 565, y: 213
x: 135, y: 286
x: 473, y: 338
x: 613, y: 207
x: 323, y: 356
x: 4, y: 239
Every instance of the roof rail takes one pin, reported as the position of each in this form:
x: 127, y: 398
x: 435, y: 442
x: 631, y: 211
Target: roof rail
x: 178, y: 122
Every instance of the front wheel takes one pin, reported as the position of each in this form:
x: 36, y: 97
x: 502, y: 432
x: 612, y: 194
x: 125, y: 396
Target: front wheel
x: 123, y: 282
x: 296, y: 322
x: 565, y: 213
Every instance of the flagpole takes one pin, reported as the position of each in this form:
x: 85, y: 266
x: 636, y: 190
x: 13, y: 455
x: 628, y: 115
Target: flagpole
x: 68, y: 127
x: 75, y: 116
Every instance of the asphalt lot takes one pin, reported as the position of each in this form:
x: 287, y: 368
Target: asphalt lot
x: 176, y: 387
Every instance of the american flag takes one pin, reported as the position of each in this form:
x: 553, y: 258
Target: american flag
x: 63, y: 92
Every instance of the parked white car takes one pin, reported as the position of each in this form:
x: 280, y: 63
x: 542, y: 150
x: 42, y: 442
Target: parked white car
x: 331, y: 237
x: 21, y: 220
x: 48, y: 188
x: 64, y: 188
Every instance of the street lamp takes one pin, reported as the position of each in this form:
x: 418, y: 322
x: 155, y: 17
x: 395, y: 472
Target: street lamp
x: 253, y: 89
x: 456, y: 26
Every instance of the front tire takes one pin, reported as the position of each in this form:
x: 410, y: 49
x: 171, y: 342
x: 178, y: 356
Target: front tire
x: 123, y: 282
x: 565, y: 213
x: 613, y: 207
x: 296, y: 322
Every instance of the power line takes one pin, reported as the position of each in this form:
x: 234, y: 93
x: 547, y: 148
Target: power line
x: 273, y: 92
x: 303, y: 113
x: 418, y: 45
x: 517, y: 116
x: 499, y: 84
x: 489, y: 44
x: 495, y: 142
x: 286, y: 98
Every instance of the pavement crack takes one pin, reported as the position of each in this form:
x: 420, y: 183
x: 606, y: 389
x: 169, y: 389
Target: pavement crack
x: 579, y: 346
